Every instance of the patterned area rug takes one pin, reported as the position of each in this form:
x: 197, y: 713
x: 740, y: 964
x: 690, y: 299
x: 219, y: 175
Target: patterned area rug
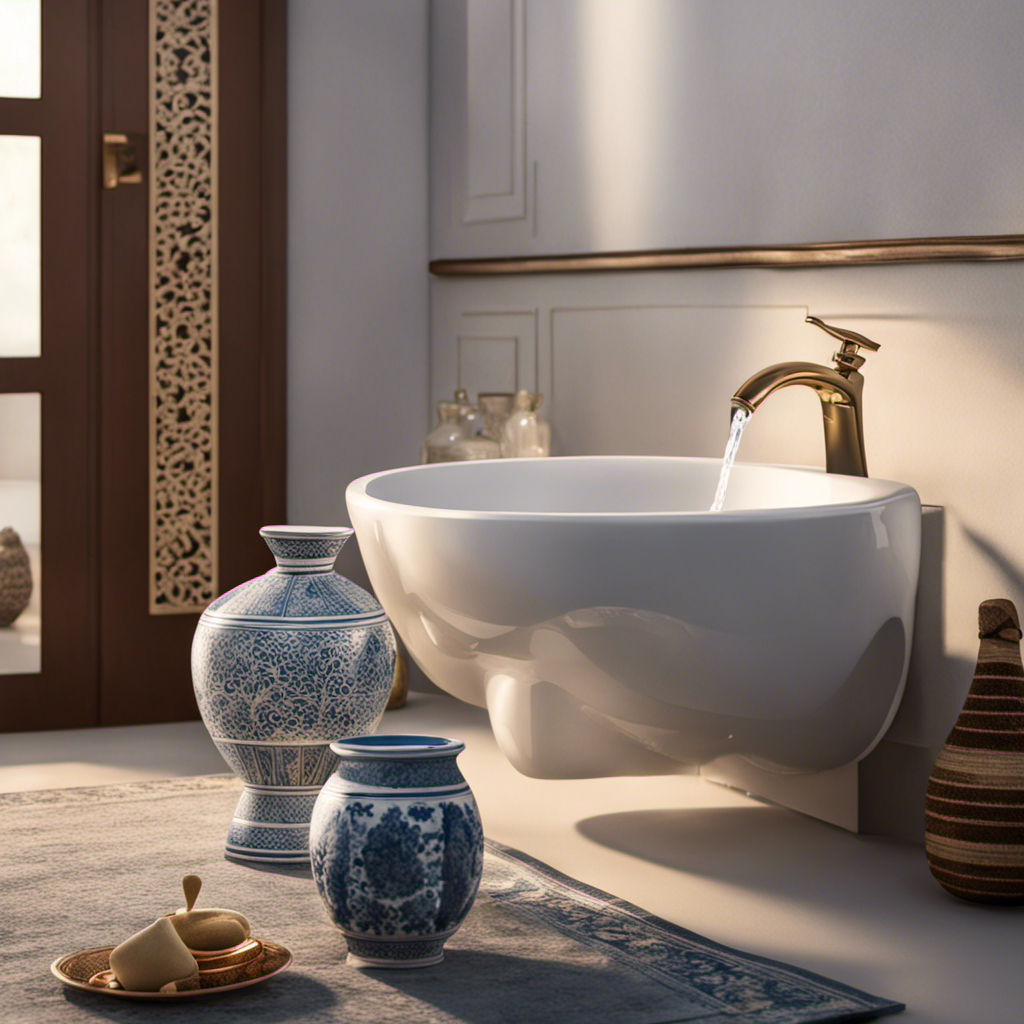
x: 88, y: 867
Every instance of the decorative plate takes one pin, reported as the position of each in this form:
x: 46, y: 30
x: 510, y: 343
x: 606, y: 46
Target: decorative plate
x: 76, y: 970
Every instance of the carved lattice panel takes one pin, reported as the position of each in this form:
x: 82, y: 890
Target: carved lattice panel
x: 183, y: 306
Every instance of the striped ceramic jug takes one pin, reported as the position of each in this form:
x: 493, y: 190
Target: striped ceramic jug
x: 974, y: 810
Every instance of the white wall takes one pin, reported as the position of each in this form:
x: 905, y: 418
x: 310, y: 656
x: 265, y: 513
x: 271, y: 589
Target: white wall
x: 583, y: 125
x: 943, y: 396
x: 357, y: 245
x: 647, y: 362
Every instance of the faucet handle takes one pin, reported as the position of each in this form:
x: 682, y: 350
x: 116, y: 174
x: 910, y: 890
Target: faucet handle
x: 848, y: 358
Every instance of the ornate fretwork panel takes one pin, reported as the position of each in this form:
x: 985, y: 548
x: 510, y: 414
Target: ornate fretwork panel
x: 183, y: 305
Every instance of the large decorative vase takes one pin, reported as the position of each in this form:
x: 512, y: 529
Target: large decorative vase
x: 396, y: 848
x: 15, y: 576
x: 281, y: 666
x: 974, y: 810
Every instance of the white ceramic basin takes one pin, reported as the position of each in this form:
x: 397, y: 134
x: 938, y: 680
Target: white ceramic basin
x: 600, y: 613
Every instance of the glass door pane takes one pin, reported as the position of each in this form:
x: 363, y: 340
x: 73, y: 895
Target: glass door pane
x: 20, y: 256
x: 20, y: 507
x: 20, y: 49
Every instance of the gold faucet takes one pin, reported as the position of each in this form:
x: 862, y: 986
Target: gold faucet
x: 839, y: 387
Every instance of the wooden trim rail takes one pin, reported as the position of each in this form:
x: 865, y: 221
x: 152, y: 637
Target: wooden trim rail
x: 811, y: 254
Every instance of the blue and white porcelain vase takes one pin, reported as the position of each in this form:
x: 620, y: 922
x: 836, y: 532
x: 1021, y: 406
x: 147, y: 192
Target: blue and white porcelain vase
x: 281, y: 666
x: 396, y: 848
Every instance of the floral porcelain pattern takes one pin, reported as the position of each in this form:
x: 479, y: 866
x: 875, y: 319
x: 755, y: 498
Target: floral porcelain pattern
x: 282, y: 665
x: 397, y: 865
x: 440, y: 771
x: 291, y: 808
x: 288, y: 685
x: 288, y: 595
x: 277, y: 765
x: 305, y: 547
x: 403, y: 869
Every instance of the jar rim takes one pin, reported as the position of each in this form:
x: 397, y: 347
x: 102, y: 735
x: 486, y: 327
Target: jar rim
x: 288, y: 532
x: 397, y: 745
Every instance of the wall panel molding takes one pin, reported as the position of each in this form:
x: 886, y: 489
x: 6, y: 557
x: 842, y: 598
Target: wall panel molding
x: 494, y: 175
x: 490, y: 350
x: 485, y: 363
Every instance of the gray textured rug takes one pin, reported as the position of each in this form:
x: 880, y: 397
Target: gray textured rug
x: 87, y: 867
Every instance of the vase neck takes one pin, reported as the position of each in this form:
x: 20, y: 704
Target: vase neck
x: 399, y: 762
x: 305, y: 550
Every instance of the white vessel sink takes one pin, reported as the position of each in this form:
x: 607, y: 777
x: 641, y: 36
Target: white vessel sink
x: 604, y: 617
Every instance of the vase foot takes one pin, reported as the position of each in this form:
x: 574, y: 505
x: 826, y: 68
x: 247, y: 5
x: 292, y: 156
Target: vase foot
x: 271, y: 825
x: 396, y: 954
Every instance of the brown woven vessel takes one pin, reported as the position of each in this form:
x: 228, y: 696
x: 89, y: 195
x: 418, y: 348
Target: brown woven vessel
x: 15, y: 576
x: 974, y: 810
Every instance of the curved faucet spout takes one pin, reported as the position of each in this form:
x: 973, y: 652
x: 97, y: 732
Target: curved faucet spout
x: 832, y: 387
x: 839, y: 387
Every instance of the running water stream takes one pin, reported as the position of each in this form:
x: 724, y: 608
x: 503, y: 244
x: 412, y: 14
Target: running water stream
x: 739, y: 421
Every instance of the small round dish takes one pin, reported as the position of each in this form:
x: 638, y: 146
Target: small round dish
x: 87, y: 969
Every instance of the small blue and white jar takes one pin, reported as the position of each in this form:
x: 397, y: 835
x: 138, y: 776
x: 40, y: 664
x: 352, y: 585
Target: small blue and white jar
x: 396, y: 848
x: 281, y: 666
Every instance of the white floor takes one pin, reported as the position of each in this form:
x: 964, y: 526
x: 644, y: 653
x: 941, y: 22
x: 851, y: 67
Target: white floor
x: 863, y: 910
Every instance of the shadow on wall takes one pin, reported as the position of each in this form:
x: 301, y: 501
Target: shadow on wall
x: 1013, y: 572
x: 894, y: 776
x: 937, y: 682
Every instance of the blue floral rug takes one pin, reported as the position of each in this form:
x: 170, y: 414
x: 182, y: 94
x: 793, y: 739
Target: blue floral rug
x: 714, y: 984
x: 88, y: 867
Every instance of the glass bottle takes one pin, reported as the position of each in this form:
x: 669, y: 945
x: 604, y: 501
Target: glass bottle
x: 479, y: 447
x: 438, y: 445
x: 525, y: 434
x: 496, y: 407
x: 470, y: 416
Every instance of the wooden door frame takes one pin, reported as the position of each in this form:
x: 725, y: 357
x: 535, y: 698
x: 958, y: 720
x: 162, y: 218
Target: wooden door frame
x: 64, y: 373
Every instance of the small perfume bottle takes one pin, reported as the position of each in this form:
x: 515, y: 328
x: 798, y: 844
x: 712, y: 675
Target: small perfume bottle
x: 438, y: 447
x: 525, y: 434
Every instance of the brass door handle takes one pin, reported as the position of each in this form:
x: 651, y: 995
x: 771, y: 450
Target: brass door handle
x: 122, y: 164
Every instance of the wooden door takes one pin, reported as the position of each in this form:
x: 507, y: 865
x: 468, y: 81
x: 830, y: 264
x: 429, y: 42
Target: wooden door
x: 60, y: 689
x: 115, y: 646
x: 144, y: 647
